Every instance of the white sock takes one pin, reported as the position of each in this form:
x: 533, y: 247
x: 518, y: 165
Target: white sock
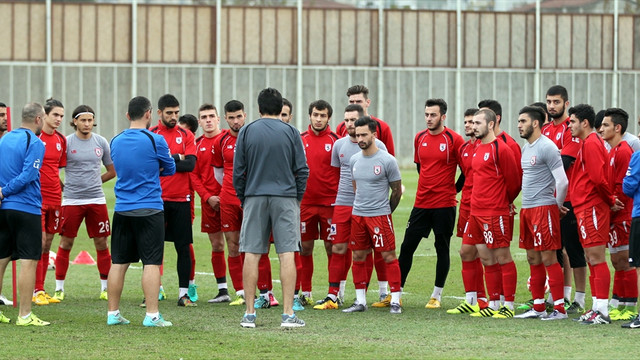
x: 103, y: 284
x: 614, y: 303
x: 265, y: 295
x: 472, y: 297
x: 191, y: 282
x: 437, y: 293
x: 567, y: 292
x: 509, y: 304
x: 494, y: 304
x: 26, y: 316
x: 343, y: 285
x: 603, y: 306
x: 153, y: 315
x: 183, y: 292
x: 306, y: 294
x: 240, y: 293
x: 382, y: 287
x: 361, y: 296
x: 222, y: 285
x: 332, y: 297
x: 60, y: 285
x: 501, y: 299
x: 580, y: 298
x: 395, y: 297
x: 114, y: 312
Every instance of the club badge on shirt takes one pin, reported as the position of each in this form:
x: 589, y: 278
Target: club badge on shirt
x: 58, y: 146
x: 486, y: 156
x: 178, y: 140
x: 377, y: 169
x: 533, y: 160
x: 327, y: 147
x: 443, y: 147
x: 98, y: 152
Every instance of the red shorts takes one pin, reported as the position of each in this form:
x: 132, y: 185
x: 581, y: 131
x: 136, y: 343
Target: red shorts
x: 341, y: 224
x: 593, y: 225
x: 463, y: 217
x: 540, y: 228
x: 315, y: 222
x: 619, y: 234
x: 491, y: 230
x: 375, y: 232
x: 230, y: 217
x: 51, y: 219
x: 209, y: 219
x: 95, y: 216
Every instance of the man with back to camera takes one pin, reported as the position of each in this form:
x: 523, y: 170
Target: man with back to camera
x: 270, y: 176
x: 4, y: 126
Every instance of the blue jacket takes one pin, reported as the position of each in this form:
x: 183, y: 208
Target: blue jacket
x: 631, y: 183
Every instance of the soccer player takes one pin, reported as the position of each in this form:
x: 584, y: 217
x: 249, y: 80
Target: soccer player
x: 322, y: 186
x: 340, y: 261
x: 591, y: 198
x: 230, y: 210
x: 574, y: 262
x: 203, y: 179
x: 494, y: 170
x: 373, y: 171
x: 436, y: 154
x: 83, y: 196
x: 3, y: 120
x: 631, y: 188
x: 176, y: 193
x: 140, y: 157
x: 287, y: 111
x: 625, y: 280
x: 21, y: 154
x: 189, y: 122
x: 270, y: 175
x: 544, y: 186
x: 55, y: 157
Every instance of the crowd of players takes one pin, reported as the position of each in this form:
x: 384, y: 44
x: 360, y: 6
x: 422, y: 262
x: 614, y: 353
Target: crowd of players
x: 576, y: 201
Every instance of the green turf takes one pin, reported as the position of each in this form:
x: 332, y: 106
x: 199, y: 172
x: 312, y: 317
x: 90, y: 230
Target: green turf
x: 79, y: 327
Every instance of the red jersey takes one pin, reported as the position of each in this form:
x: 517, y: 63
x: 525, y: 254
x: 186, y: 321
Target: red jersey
x: 619, y: 158
x: 588, y: 182
x: 496, y: 180
x: 202, y: 177
x: 514, y: 146
x: 561, y: 136
x: 176, y: 187
x: 383, y: 133
x: 466, y: 155
x: 438, y: 157
x: 55, y: 157
x: 322, y: 184
x: 224, y: 151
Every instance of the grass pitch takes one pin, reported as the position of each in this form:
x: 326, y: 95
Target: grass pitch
x: 79, y: 329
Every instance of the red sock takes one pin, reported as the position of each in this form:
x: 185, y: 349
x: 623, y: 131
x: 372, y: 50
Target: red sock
x: 592, y: 281
x: 235, y: 271
x: 336, y: 269
x: 41, y: 272
x: 359, y: 274
x: 494, y: 279
x: 62, y: 263
x: 296, y: 257
x: 219, y: 264
x: 162, y: 267
x: 393, y: 273
x: 469, y: 276
x: 510, y: 280
x: 381, y: 266
x: 368, y: 263
x: 192, y: 276
x: 602, y: 280
x: 307, y: 272
x: 264, y: 272
x: 348, y: 259
x: 556, y: 284
x: 480, y: 279
x: 631, y: 284
x: 104, y: 263
x: 536, y: 284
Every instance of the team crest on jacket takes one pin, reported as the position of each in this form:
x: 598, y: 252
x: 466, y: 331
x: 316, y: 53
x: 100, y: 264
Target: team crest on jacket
x: 443, y: 147
x: 377, y: 169
x: 533, y: 160
x: 486, y: 156
x: 485, y: 226
x: 327, y: 147
x: 98, y: 152
x: 179, y: 140
x: 58, y: 146
x: 376, y: 230
x: 558, y: 136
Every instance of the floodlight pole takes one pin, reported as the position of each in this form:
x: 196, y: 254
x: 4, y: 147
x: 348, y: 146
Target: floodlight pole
x: 49, y: 69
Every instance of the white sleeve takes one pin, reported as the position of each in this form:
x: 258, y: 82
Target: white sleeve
x: 218, y: 173
x: 562, y: 183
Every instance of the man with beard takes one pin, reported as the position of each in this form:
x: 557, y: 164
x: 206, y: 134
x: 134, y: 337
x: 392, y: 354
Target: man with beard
x: 436, y: 154
x: 3, y: 119
x: 176, y: 192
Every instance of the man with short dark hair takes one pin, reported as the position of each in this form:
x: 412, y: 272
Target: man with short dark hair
x: 3, y: 120
x: 270, y: 176
x: 286, y: 114
x: 138, y: 218
x: 21, y: 154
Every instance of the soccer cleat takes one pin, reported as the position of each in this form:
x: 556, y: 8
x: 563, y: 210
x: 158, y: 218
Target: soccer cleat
x: 104, y: 295
x: 531, y: 314
x: 156, y: 322
x: 186, y: 301
x: 614, y: 313
x: 340, y: 301
x: 384, y: 302
x: 291, y: 321
x: 58, y: 294
x: 464, y: 308
x: 503, y: 313
x: 32, y: 320
x: 574, y: 308
x: 117, y: 320
x: 222, y: 297
x: 355, y: 308
x: 597, y: 319
x: 5, y: 301
x: 40, y: 299
x: 483, y: 303
x: 486, y: 312
x: 526, y: 306
x: 272, y: 300
x: 327, y: 304
x: 4, y: 319
x: 395, y: 308
x: 297, y: 306
x: 161, y: 294
x: 238, y: 301
x: 586, y: 316
x: 261, y: 303
x: 193, y: 292
x: 143, y: 304
x: 625, y: 314
x: 51, y: 299
x: 248, y: 321
x: 433, y: 304
x: 305, y: 300
x: 633, y: 324
x: 555, y: 315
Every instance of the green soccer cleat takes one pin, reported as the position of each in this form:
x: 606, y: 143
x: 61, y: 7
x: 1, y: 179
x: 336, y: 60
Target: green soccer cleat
x: 239, y: 300
x: 103, y: 295
x: 32, y: 320
x: 58, y: 295
x: 464, y: 308
x: 156, y: 322
x: 193, y: 292
x: 574, y: 308
x: 526, y: 306
x: 486, y: 312
x: 305, y: 300
x: 4, y: 319
x: 503, y: 313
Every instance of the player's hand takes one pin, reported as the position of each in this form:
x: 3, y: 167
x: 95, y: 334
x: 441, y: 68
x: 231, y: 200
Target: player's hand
x: 618, y: 205
x: 214, y: 202
x: 512, y: 209
x: 563, y: 211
